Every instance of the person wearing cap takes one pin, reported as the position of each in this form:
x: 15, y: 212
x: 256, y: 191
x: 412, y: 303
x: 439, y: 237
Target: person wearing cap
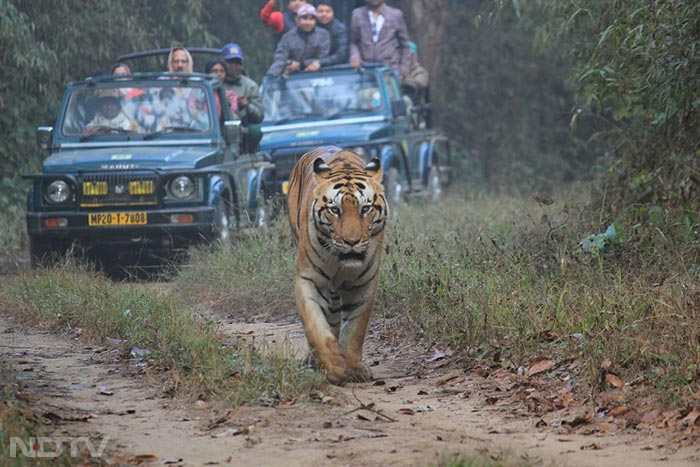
x: 281, y: 23
x: 250, y: 103
x: 378, y: 33
x: 302, y: 47
x: 325, y: 16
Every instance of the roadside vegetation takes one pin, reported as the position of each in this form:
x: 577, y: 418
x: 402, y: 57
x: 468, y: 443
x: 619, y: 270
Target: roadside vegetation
x: 507, y: 281
x: 180, y: 345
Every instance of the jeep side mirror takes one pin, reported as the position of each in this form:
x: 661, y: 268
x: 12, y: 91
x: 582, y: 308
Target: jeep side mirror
x: 398, y: 108
x: 43, y: 137
x: 232, y: 131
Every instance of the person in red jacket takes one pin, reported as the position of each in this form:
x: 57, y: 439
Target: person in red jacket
x: 280, y: 22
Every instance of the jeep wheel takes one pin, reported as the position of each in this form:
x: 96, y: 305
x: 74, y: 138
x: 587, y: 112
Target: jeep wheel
x: 266, y: 212
x: 44, y: 253
x: 434, y: 186
x: 223, y: 223
x: 261, y: 215
x: 393, y: 188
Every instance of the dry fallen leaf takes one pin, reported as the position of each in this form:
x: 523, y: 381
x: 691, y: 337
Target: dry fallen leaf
x: 539, y: 367
x: 329, y: 400
x: 606, y: 397
x: 449, y: 377
x: 543, y: 199
x: 406, y: 411
x: 693, y: 418
x: 580, y: 420
x: 617, y: 411
x: 142, y: 458
x: 614, y: 380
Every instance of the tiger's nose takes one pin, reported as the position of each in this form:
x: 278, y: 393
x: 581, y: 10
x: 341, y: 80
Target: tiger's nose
x: 352, y: 241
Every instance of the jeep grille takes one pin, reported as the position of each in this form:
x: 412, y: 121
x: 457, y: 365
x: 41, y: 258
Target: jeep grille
x: 118, y: 189
x: 284, y: 163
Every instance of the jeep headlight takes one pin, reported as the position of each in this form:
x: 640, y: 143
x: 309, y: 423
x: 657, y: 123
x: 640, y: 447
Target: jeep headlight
x: 182, y: 187
x: 58, y: 191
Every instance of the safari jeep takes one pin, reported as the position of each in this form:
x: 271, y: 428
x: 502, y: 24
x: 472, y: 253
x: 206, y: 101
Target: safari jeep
x: 364, y: 110
x: 141, y: 165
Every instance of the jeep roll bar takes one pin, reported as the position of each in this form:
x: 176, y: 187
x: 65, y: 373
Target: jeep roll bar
x: 156, y: 52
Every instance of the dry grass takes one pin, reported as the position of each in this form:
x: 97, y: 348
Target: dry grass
x: 182, y: 345
x: 507, y: 277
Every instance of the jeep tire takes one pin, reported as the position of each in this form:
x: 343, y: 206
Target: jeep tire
x: 393, y: 188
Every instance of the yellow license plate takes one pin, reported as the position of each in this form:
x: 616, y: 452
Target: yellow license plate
x: 99, y: 219
x: 285, y: 187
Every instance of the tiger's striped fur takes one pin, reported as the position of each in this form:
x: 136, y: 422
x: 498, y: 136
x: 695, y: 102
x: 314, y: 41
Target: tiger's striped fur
x: 337, y: 211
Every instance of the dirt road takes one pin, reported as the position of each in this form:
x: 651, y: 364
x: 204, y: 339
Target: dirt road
x: 414, y: 414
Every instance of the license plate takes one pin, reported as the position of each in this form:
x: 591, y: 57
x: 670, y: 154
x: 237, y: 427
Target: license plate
x: 98, y: 219
x: 285, y: 187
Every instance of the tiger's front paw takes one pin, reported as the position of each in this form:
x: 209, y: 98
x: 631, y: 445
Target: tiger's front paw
x: 359, y: 374
x: 349, y: 375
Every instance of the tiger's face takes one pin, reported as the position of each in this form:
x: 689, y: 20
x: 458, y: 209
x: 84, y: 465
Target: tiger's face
x: 349, y: 209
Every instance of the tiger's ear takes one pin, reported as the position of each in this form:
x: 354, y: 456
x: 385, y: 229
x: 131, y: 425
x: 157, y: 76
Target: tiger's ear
x: 320, y: 169
x: 375, y: 168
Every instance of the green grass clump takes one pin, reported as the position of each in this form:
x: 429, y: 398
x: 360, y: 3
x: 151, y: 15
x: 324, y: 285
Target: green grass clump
x: 508, y: 276
x: 255, y: 277
x: 502, y: 276
x: 178, y: 340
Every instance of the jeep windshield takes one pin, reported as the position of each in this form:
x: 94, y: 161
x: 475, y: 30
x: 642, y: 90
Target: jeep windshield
x: 319, y: 96
x: 138, y: 110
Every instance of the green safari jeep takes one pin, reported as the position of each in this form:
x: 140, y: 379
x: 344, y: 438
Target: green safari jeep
x: 141, y: 165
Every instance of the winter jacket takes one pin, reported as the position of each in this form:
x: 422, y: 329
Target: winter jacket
x: 392, y: 46
x: 339, y: 43
x: 280, y: 23
x: 244, y: 86
x: 302, y: 47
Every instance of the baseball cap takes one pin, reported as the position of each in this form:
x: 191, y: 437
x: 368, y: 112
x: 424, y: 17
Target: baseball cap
x: 231, y: 51
x: 306, y: 9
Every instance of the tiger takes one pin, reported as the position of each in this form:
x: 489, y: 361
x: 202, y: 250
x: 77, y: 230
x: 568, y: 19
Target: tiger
x: 338, y: 212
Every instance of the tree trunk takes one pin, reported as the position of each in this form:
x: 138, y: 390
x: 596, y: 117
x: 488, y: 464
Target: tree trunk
x: 426, y: 27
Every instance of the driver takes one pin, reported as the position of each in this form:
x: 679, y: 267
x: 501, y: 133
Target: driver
x: 109, y: 114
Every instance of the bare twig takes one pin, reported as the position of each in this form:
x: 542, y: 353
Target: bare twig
x: 364, y: 406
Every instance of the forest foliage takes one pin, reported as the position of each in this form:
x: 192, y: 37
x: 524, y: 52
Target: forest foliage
x: 636, y: 64
x: 535, y: 92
